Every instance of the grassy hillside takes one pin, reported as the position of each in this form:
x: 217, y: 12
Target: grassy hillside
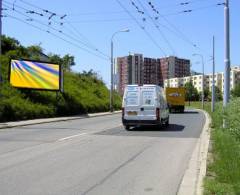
x: 83, y: 92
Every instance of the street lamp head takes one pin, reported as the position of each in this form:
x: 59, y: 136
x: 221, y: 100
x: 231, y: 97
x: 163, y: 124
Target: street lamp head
x: 125, y: 30
x: 119, y: 31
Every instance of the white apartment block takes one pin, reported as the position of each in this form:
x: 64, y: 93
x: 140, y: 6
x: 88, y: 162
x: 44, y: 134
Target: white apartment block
x: 208, y: 80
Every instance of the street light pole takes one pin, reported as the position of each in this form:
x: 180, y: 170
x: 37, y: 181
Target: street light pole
x: 202, y: 78
x: 111, y: 87
x: 190, y: 91
x: 213, y: 78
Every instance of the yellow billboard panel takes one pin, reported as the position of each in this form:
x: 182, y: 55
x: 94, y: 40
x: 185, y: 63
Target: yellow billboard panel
x: 34, y: 75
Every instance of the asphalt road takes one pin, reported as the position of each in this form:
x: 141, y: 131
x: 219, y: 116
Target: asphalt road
x: 96, y: 156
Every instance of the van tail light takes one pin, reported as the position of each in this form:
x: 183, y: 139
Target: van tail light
x: 123, y: 112
x: 158, y: 114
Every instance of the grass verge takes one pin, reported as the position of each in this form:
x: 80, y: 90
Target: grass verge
x: 223, y: 171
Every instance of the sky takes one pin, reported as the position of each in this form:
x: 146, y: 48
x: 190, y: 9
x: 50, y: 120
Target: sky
x: 166, y: 27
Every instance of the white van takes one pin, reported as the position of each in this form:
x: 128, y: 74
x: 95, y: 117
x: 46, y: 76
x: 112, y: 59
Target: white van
x: 144, y: 105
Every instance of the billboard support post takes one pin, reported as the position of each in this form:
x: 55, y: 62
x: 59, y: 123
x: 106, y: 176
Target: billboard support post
x: 0, y: 39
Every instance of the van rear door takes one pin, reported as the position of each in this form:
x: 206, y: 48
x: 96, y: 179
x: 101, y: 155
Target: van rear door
x: 148, y: 103
x: 131, y: 103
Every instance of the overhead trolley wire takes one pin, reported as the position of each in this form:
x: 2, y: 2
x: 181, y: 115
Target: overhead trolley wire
x: 182, y: 4
x: 51, y: 27
x: 183, y: 36
x: 57, y: 30
x: 59, y: 37
x: 195, y: 9
x: 83, y: 36
x: 44, y: 10
x: 146, y: 32
x: 157, y: 27
x: 120, y: 12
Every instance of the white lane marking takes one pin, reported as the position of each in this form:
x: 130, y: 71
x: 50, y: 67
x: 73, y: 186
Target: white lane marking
x: 70, y: 137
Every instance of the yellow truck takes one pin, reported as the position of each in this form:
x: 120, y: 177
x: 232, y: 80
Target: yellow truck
x: 175, y: 98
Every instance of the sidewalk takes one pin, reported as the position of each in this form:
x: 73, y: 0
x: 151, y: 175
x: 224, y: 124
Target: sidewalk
x: 49, y: 120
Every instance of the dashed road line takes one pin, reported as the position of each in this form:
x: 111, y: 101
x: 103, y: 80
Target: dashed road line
x: 70, y: 137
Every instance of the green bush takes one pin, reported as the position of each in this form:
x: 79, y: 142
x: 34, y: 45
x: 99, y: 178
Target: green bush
x: 83, y: 92
x: 233, y: 118
x: 16, y: 108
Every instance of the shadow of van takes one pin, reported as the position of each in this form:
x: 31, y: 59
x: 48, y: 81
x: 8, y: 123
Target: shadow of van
x: 170, y: 128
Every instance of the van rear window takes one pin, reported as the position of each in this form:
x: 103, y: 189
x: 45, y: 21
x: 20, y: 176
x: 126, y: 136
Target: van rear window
x: 148, y: 98
x: 132, y: 98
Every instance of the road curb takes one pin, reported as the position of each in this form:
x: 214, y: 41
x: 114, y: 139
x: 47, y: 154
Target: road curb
x: 50, y: 120
x: 192, y: 181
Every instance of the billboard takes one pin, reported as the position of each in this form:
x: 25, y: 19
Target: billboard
x: 35, y: 75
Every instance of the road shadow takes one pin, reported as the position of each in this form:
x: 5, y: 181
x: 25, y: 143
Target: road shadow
x: 186, y: 112
x: 186, y: 125
x: 173, y: 130
x: 170, y: 127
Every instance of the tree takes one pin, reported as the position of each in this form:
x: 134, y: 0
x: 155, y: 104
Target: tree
x: 191, y: 92
x: 66, y: 61
x: 207, y: 95
x: 9, y: 43
x: 35, y: 52
x: 54, y: 58
x: 35, y: 49
x: 218, y: 94
x: 236, y: 91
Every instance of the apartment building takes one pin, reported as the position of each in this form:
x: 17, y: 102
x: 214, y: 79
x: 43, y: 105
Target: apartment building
x: 234, y: 77
x: 208, y: 80
x: 151, y: 71
x: 129, y: 71
x: 122, y: 72
x: 134, y: 69
x: 172, y: 67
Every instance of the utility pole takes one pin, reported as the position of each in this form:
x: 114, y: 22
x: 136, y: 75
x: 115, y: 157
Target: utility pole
x: 203, y: 83
x: 0, y: 39
x: 227, y: 59
x: 213, y: 78
x: 227, y: 55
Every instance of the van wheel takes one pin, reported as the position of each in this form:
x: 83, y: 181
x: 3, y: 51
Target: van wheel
x: 127, y: 127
